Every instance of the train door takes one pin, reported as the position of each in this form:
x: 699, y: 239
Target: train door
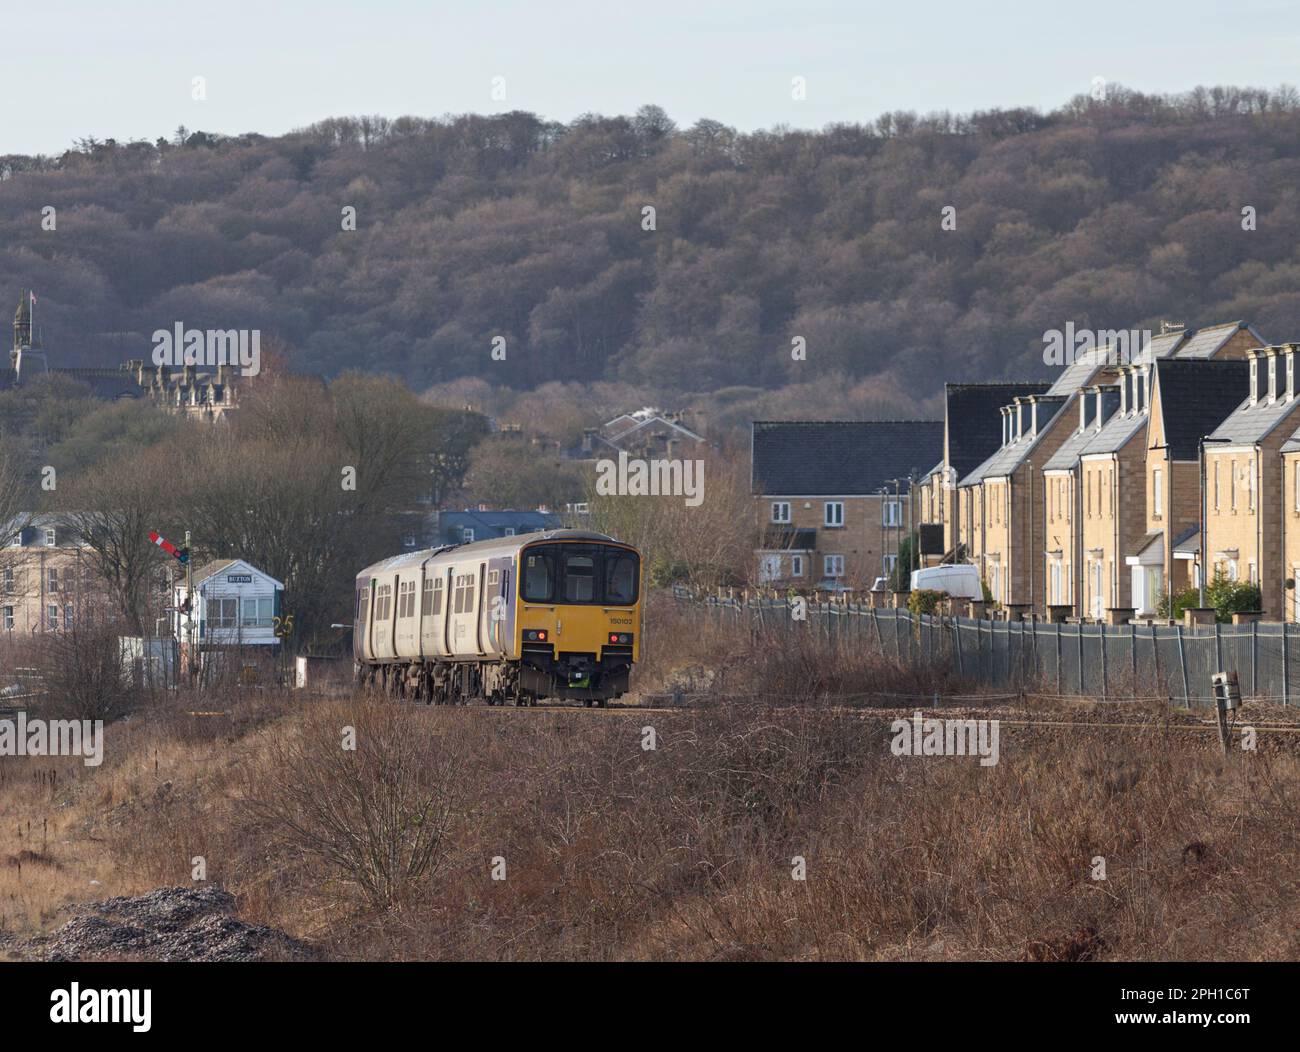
x: 366, y: 620
x: 447, y: 612
x: 480, y: 606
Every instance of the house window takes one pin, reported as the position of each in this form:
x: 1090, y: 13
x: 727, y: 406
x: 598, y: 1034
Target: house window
x: 1232, y: 483
x: 52, y: 617
x: 1250, y: 487
x: 833, y: 565
x: 510, y: 531
x: 49, y: 537
x: 893, y: 513
x: 780, y: 511
x: 258, y: 612
x: 1216, y: 485
x: 889, y: 562
x: 1158, y: 492
x: 466, y: 535
x: 224, y: 613
x: 9, y: 618
x: 834, y: 513
x: 52, y: 579
x: 1250, y: 572
x: 769, y: 568
x: 67, y: 617
x: 796, y: 566
x: 9, y: 570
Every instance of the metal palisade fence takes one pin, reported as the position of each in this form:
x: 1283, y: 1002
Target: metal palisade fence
x: 1110, y: 662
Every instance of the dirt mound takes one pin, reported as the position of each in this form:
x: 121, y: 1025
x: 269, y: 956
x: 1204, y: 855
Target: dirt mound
x: 167, y: 924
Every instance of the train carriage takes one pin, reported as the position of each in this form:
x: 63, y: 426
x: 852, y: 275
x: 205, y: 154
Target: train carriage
x: 554, y: 614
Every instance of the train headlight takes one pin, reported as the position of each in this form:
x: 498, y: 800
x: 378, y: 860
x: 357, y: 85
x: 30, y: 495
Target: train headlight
x: 623, y: 638
x: 535, y: 636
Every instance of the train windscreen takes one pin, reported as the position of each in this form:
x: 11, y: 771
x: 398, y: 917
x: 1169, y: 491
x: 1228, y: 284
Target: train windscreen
x: 580, y: 574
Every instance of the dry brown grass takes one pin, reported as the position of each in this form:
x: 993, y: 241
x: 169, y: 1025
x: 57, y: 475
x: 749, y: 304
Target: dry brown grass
x: 686, y: 851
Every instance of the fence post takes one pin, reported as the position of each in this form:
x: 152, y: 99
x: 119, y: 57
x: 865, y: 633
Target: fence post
x: 1155, y: 653
x: 1056, y: 630
x: 1254, y: 658
x: 956, y: 635
x: 1133, y: 653
x: 1286, y: 672
x: 1218, y: 647
x: 1103, y: 663
x: 1182, y: 663
x: 1079, y: 636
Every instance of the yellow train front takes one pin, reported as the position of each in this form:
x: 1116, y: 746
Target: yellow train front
x: 543, y: 615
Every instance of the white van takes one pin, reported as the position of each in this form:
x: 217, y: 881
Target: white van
x: 960, y: 580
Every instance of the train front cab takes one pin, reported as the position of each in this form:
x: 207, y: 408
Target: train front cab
x: 579, y: 624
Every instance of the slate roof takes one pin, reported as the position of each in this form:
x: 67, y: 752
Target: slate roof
x: 1196, y: 396
x: 1081, y: 371
x: 1013, y: 454
x: 1072, y: 447
x: 1252, y: 423
x: 797, y: 458
x: 1162, y: 346
x: 974, y: 421
x: 1204, y: 343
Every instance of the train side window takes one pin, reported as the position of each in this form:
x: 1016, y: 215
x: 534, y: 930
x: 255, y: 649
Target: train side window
x: 433, y: 595
x: 538, y: 577
x: 579, y: 578
x: 426, y: 598
x: 620, y: 577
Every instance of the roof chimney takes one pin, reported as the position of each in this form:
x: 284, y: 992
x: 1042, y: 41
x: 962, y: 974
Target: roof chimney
x: 1006, y: 422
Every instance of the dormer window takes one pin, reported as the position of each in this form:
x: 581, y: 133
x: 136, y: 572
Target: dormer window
x: 1254, y: 379
x: 49, y: 537
x: 1272, y: 378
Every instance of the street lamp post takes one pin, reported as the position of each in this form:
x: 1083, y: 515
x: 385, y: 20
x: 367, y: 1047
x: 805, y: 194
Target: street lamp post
x: 1205, y: 439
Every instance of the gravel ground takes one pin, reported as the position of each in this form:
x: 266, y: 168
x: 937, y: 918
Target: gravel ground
x: 167, y: 924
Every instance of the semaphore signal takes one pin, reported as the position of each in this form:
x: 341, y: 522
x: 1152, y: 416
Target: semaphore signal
x: 181, y: 555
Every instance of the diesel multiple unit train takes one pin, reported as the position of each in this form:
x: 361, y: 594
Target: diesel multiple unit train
x: 542, y: 615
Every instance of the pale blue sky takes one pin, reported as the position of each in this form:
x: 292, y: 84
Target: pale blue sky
x: 124, y: 69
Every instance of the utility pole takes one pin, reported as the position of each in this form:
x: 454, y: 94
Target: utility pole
x: 190, y: 623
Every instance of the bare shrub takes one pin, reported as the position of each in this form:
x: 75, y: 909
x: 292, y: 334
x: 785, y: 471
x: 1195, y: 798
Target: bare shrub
x: 85, y: 675
x: 376, y: 813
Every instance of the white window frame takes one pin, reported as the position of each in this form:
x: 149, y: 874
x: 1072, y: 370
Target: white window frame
x: 8, y: 613
x: 781, y: 512
x: 796, y: 566
x: 509, y: 531
x: 1158, y: 492
x: 51, y: 537
x: 833, y: 514
x: 467, y: 535
x: 833, y: 565
x: 52, y: 616
x: 891, y: 511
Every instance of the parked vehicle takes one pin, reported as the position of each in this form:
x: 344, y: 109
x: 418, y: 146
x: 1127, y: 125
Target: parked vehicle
x: 960, y: 580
